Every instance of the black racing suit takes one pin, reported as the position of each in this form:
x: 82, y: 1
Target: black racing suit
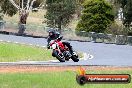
x: 57, y: 35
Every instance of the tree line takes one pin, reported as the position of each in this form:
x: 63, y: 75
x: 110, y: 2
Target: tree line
x: 93, y: 15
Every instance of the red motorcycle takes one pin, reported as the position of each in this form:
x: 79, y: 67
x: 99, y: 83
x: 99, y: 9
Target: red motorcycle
x: 62, y: 52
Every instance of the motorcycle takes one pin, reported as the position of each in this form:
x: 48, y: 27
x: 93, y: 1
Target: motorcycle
x: 62, y: 52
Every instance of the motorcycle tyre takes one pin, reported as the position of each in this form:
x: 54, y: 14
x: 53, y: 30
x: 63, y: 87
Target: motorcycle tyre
x: 55, y: 54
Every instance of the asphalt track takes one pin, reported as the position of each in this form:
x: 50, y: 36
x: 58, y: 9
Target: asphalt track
x: 103, y: 54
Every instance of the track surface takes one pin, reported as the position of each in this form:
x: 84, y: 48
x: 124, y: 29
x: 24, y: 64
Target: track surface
x: 104, y: 54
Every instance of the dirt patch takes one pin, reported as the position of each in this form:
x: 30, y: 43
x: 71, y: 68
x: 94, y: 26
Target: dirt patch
x: 37, y: 69
x: 34, y: 20
x: 14, y: 69
x: 10, y: 30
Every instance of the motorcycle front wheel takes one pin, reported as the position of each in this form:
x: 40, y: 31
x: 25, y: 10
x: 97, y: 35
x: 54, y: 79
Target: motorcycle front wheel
x: 55, y: 53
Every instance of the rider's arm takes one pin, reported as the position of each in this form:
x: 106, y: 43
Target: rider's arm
x: 58, y: 36
x: 48, y: 40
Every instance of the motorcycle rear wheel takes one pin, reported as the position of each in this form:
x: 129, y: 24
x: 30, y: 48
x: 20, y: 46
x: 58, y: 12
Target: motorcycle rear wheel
x: 74, y: 58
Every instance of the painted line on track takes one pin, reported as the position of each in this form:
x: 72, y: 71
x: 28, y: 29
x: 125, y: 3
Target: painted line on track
x: 22, y: 43
x: 87, y: 56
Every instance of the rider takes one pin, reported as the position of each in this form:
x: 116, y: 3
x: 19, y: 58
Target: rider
x: 54, y: 35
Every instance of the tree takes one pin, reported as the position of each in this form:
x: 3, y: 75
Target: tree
x: 126, y: 6
x: 127, y: 13
x: 1, y: 14
x: 11, y: 7
x: 79, y: 7
x: 59, y: 12
x: 7, y: 8
x: 96, y: 16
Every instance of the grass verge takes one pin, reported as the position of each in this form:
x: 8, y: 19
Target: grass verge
x: 10, y: 52
x: 64, y: 79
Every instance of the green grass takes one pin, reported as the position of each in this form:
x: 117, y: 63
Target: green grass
x: 18, y: 52
x: 53, y: 80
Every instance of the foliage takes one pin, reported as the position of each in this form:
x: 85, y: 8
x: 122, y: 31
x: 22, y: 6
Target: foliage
x: 115, y: 29
x: 128, y: 13
x: 1, y: 14
x: 126, y: 6
x: 96, y: 16
x: 59, y: 12
x: 7, y: 8
x: 79, y: 7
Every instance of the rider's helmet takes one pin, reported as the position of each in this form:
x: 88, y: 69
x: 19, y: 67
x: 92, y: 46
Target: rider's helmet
x: 51, y: 33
